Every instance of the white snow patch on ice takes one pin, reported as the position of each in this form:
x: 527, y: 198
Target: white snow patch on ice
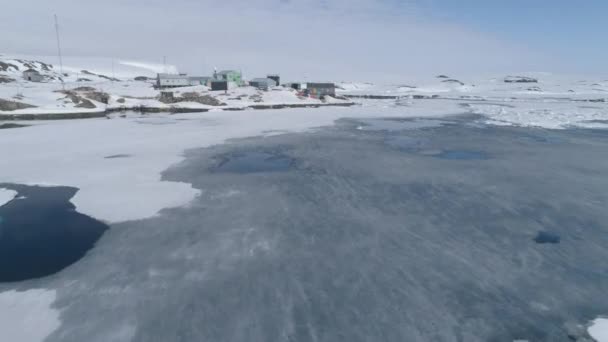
x: 599, y: 329
x: 27, y: 316
x: 543, y: 114
x: 6, y: 196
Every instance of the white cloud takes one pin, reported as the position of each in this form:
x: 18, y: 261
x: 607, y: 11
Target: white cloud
x: 314, y: 39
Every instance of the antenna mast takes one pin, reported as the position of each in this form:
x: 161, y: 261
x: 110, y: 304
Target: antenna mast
x: 59, y: 51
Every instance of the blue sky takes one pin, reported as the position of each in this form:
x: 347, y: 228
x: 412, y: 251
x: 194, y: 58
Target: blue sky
x: 323, y: 39
x: 573, y: 33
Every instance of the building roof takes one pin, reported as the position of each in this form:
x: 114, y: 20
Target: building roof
x: 263, y: 80
x: 32, y: 70
x: 321, y: 85
x: 226, y: 72
x: 172, y: 76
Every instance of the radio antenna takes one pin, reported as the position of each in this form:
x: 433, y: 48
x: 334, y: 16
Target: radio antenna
x: 59, y: 51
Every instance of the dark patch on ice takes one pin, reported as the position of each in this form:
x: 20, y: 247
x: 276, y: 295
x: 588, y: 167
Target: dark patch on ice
x: 253, y: 162
x: 544, y: 237
x: 41, y: 233
x: 11, y: 125
x: 116, y: 156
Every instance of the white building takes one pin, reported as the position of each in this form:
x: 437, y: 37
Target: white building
x: 172, y: 81
x: 32, y: 76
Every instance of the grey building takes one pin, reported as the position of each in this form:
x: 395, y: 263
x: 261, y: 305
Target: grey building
x: 295, y: 85
x: 320, y: 90
x: 219, y: 85
x: 275, y: 77
x: 263, y: 83
x: 32, y: 76
x: 172, y: 81
x: 199, y: 80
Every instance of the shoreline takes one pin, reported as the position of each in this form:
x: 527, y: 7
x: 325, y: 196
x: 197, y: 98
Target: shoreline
x: 170, y: 110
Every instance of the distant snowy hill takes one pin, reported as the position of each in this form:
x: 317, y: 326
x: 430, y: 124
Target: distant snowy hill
x: 93, y: 69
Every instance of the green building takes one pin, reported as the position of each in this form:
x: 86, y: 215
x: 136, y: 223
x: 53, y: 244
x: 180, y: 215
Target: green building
x: 232, y: 76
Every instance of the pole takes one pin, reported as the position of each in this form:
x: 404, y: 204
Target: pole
x: 59, y: 52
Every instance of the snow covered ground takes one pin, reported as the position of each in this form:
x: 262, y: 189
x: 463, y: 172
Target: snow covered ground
x: 6, y: 195
x: 115, y: 80
x: 26, y: 316
x: 545, y: 100
x: 599, y: 330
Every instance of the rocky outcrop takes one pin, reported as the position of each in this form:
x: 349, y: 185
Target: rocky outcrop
x: 7, y: 105
x: 84, y: 89
x: 520, y: 79
x: 169, y: 98
x: 86, y: 72
x: 142, y: 78
x: 6, y: 79
x: 78, y: 101
x: 453, y: 81
x: 8, y: 67
x: 92, y: 94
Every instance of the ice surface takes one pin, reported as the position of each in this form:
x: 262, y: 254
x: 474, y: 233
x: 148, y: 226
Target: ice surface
x: 599, y: 330
x: 27, y: 316
x: 73, y: 152
x: 6, y: 196
x: 359, y: 241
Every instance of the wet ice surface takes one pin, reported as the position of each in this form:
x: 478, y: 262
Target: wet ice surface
x: 41, y: 233
x: 360, y: 239
x: 253, y: 162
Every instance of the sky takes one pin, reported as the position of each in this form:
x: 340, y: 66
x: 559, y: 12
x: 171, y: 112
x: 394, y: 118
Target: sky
x: 338, y: 40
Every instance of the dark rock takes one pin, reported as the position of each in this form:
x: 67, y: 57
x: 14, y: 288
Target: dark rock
x: 443, y: 76
x: 453, y: 82
x: 85, y: 103
x: 547, y: 237
x: 121, y: 100
x: 141, y: 78
x: 6, y: 79
x: 7, y: 66
x: 83, y: 80
x: 11, y: 125
x: 520, y: 79
x: 168, y: 98
x: 117, y: 156
x: 86, y: 72
x: 534, y: 89
x: 98, y: 96
x: 84, y: 89
x: 7, y: 105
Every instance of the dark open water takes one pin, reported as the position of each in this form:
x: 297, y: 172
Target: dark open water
x: 41, y: 233
x: 381, y: 230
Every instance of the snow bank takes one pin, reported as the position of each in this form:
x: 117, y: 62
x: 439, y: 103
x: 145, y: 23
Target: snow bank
x: 544, y: 114
x: 6, y: 196
x: 27, y: 316
x: 118, y: 189
x: 599, y: 330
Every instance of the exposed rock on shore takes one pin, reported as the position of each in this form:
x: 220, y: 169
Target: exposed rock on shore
x: 7, y: 105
